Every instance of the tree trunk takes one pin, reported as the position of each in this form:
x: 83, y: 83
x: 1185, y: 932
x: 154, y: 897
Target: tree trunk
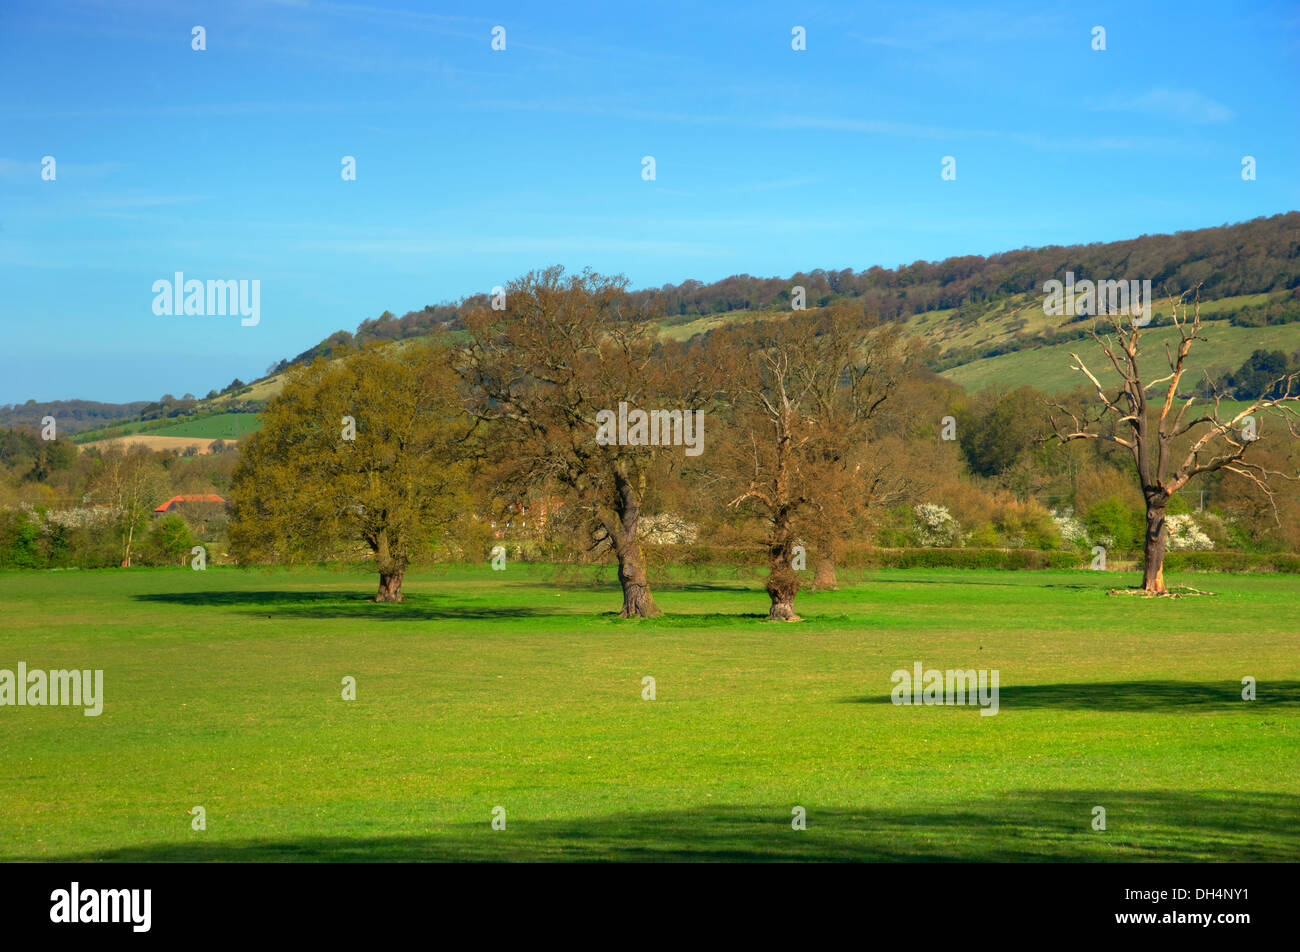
x: 637, y: 600
x: 1153, y: 574
x: 391, y: 569
x: 390, y: 587
x: 824, y: 576
x: 782, y: 585
x: 130, y: 537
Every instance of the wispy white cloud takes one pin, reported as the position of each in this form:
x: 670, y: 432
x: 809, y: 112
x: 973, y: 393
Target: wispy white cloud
x: 969, y: 28
x: 846, y: 124
x: 114, y: 202
x: 871, y: 126
x: 439, y: 23
x: 1031, y: 140
x: 387, y: 13
x: 194, y: 110
x: 892, y: 42
x: 29, y: 170
x: 777, y: 184
x: 1184, y: 104
x: 391, y: 248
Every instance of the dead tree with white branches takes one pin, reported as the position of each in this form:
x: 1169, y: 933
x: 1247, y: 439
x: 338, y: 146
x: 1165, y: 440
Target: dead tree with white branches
x: 1170, y: 446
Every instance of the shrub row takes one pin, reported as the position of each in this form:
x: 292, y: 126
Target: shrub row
x: 874, y: 557
x: 965, y: 558
x: 1232, y: 562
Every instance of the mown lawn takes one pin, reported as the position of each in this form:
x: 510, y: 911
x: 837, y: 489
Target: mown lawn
x: 515, y: 689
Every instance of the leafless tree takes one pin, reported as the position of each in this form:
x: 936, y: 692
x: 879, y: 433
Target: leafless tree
x: 130, y: 480
x: 1169, y: 445
x: 800, y: 456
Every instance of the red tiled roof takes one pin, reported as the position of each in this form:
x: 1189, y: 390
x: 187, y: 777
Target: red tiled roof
x: 189, y: 497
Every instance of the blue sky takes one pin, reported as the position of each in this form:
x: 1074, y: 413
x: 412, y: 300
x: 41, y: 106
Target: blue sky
x: 475, y: 165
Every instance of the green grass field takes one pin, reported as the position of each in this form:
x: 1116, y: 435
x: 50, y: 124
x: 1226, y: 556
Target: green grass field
x: 212, y: 426
x: 517, y: 690
x: 218, y: 426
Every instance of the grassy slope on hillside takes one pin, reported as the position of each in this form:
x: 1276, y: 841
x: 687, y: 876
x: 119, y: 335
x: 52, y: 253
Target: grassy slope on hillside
x: 1022, y: 314
x: 1048, y: 368
x: 121, y: 428
x: 218, y: 426
x: 702, y: 325
x: 211, y: 426
x: 485, y: 689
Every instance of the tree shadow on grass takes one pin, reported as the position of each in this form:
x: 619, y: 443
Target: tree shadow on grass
x: 890, y: 580
x: 735, y: 588
x: 1136, y: 696
x: 1013, y: 826
x: 704, y: 619
x: 662, y: 583
x: 421, y: 607
x: 415, y: 607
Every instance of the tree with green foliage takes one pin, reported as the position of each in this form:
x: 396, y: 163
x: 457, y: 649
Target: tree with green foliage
x: 34, y: 458
x: 362, y: 452
x: 1114, y: 522
x: 1259, y: 374
x: 996, y: 430
x: 170, y: 540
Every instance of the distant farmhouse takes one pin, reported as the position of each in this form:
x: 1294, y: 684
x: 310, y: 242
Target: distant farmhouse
x: 177, y: 503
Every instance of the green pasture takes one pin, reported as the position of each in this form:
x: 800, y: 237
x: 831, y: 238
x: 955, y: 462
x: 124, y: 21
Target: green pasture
x: 521, y: 690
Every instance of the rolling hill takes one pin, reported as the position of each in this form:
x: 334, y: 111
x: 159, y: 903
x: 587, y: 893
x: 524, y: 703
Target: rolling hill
x: 1048, y: 367
x: 984, y: 316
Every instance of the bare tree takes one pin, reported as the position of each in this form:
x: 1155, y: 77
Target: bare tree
x: 854, y: 366
x: 130, y: 480
x: 804, y: 390
x: 1170, y: 447
x: 772, y: 445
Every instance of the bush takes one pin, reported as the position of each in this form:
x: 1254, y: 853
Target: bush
x: 20, y: 541
x: 1231, y: 562
x: 1185, y: 534
x: 1115, y: 525
x: 1025, y: 525
x: 169, y: 542
x: 935, y: 525
x: 869, y: 556
x: 983, y: 536
x: 968, y: 558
